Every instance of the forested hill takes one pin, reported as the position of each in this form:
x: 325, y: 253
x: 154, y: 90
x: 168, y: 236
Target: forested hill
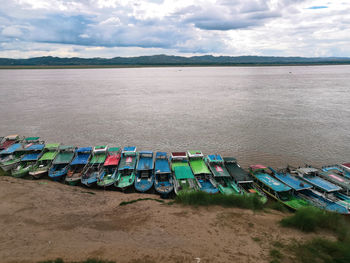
x: 157, y: 60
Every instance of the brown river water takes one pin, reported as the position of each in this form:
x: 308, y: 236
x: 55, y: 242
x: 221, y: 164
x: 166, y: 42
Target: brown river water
x: 269, y: 115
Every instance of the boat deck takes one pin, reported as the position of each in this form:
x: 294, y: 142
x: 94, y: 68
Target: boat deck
x: 292, y: 181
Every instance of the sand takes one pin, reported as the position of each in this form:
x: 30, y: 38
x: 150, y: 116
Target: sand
x: 41, y: 220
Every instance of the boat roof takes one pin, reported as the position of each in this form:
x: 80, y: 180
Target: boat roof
x: 346, y: 165
x: 199, y: 167
x: 127, y: 162
x: 66, y: 147
x: 215, y: 158
x: 31, y: 156
x: 48, y: 156
x: 82, y: 157
x: 36, y: 147
x: 52, y: 146
x: 257, y: 167
x: 98, y: 158
x: 178, y: 164
x: 12, y: 137
x: 129, y: 149
x: 29, y: 139
x: 183, y: 172
x: 310, y: 175
x: 230, y: 159
x: 100, y: 148
x: 84, y: 149
x: 307, y: 170
x: 236, y: 171
x: 64, y: 158
x: 292, y: 181
x: 161, y: 163
x: 12, y: 148
x: 336, y: 179
x: 145, y: 161
x: 194, y: 153
x: 272, y: 183
x: 218, y: 169
x: 113, y: 150
x: 112, y: 159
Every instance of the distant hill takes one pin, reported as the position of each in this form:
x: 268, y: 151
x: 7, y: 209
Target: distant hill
x: 159, y: 60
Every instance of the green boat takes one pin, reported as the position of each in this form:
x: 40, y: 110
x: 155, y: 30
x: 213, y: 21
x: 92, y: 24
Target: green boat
x: 184, y: 179
x: 11, y: 156
x: 126, y: 170
x: 275, y: 188
x: 108, y: 174
x: 224, y: 182
x: 42, y: 166
x: 32, y: 154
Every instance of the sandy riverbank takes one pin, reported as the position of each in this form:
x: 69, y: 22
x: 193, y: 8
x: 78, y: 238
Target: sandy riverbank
x: 42, y: 220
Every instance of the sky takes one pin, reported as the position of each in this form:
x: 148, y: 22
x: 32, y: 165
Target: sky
x: 112, y: 28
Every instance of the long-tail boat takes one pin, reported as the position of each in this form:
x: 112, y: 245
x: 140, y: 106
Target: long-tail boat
x: 33, y: 154
x: 61, y: 163
x: 11, y: 156
x: 201, y: 172
x: 144, y: 178
x: 90, y: 174
x: 126, y: 169
x: 163, y: 182
x: 109, y: 171
x: 224, y: 181
x: 43, y: 165
x: 76, y: 167
x: 9, y: 140
x: 275, y: 188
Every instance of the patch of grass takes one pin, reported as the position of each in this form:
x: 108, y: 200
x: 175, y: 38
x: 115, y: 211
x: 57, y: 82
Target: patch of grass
x: 277, y: 206
x: 276, y: 255
x: 90, y: 260
x: 200, y: 198
x: 256, y: 239
x: 140, y: 199
x: 278, y: 244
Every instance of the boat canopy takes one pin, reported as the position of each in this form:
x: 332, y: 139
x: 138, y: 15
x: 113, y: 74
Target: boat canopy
x: 127, y: 162
x: 230, y: 160
x: 52, y: 146
x: 215, y: 158
x: 114, y: 150
x: 35, y: 147
x: 272, y: 183
x: 84, y: 149
x: 145, y: 161
x: 178, y: 164
x: 336, y: 179
x: 98, y: 158
x: 195, y: 153
x: 64, y: 157
x: 178, y: 155
x: 310, y: 175
x: 100, y: 148
x: 183, y: 172
x: 218, y: 169
x: 129, y: 149
x: 48, y: 156
x: 236, y: 171
x: 346, y: 165
x: 11, y: 149
x: 31, y: 157
x: 12, y: 137
x: 257, y: 167
x: 162, y: 163
x: 292, y: 181
x: 199, y: 167
x: 112, y: 159
x: 31, y: 139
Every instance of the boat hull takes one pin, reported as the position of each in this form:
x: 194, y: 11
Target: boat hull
x: 39, y: 172
x: 58, y: 174
x: 164, y: 188
x: 144, y: 185
x: 125, y: 182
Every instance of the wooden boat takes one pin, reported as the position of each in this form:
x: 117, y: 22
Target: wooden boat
x: 339, y: 175
x: 61, y: 163
x: 9, y: 140
x: 42, y: 166
x: 90, y: 174
x: 224, y: 182
x: 32, y: 155
x: 163, y: 182
x: 109, y: 172
x: 243, y: 179
x: 275, y: 188
x: 305, y: 191
x: 144, y: 177
x: 76, y: 167
x: 126, y: 169
x: 11, y: 156
x: 184, y: 179
x: 201, y: 172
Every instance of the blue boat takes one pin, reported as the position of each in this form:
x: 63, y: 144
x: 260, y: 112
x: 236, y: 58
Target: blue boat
x: 144, y: 172
x: 339, y: 169
x: 76, y: 167
x: 11, y: 156
x: 163, y: 182
x: 61, y: 163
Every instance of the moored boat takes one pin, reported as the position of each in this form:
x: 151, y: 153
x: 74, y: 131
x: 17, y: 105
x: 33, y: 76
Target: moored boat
x: 163, y: 182
x: 33, y: 153
x: 61, y: 163
x: 76, y: 167
x: 9, y: 140
x: 109, y: 171
x: 275, y: 188
x: 90, y: 174
x: 11, y: 156
x: 144, y: 177
x: 223, y: 180
x: 201, y: 172
x: 126, y: 169
x: 42, y: 166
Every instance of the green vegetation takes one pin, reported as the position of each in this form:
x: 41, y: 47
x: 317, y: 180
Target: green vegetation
x: 277, y: 206
x: 199, y: 198
x: 276, y: 255
x: 59, y: 260
x: 140, y: 199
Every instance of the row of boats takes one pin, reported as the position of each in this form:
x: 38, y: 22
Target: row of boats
x: 127, y: 169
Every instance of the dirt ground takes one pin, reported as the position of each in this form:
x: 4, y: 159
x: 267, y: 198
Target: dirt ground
x: 41, y: 220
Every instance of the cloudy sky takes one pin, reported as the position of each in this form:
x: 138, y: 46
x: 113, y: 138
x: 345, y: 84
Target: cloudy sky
x: 110, y: 28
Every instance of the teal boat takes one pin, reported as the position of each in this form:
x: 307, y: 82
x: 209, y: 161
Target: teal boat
x: 126, y: 169
x: 224, y: 181
x: 11, y: 156
x: 275, y: 188
x: 109, y: 172
x: 43, y: 165
x: 32, y: 155
x: 61, y: 163
x: 184, y: 179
